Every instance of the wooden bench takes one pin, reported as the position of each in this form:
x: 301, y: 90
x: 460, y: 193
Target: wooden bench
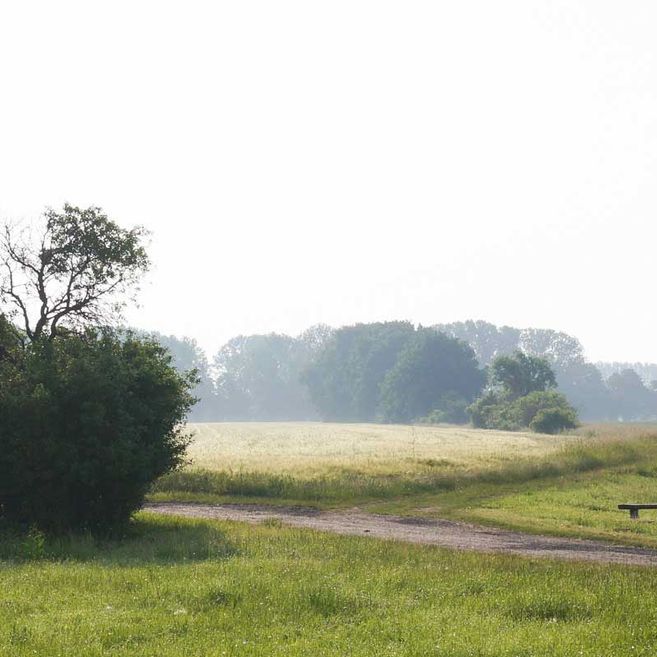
x: 634, y: 508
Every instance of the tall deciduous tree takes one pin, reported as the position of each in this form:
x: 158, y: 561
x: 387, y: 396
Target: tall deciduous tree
x: 259, y: 378
x: 75, y: 269
x: 89, y: 416
x: 430, y: 368
x: 520, y: 374
x: 345, y: 379
x: 487, y: 340
x: 631, y: 398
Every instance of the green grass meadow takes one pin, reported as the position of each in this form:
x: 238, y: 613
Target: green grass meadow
x: 200, y: 588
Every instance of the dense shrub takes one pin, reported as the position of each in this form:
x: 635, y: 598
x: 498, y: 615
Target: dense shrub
x: 530, y: 405
x: 495, y: 411
x: 521, y: 395
x: 553, y: 420
x: 87, y: 422
x: 451, y: 409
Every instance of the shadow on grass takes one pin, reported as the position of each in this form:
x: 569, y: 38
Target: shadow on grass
x: 147, y: 540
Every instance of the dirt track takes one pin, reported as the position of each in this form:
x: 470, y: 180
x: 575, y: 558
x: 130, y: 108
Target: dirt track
x: 444, y: 533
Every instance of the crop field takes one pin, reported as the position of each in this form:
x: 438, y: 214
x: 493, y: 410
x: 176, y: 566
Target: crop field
x: 566, y: 485
x: 207, y: 589
x: 342, y: 464
x: 311, y: 448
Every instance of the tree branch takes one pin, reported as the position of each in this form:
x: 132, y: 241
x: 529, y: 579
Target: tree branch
x: 18, y: 301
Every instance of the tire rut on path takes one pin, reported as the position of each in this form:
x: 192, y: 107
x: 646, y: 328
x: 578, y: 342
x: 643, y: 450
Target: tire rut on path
x: 443, y: 533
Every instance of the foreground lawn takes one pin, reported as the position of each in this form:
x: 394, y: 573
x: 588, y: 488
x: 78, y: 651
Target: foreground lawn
x: 206, y: 589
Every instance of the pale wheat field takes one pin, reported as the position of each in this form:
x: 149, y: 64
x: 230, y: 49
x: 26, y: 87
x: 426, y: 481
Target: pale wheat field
x: 314, y: 447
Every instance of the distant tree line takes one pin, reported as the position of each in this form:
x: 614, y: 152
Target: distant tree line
x: 599, y: 393
x: 390, y: 372
x: 395, y: 372
x: 646, y: 371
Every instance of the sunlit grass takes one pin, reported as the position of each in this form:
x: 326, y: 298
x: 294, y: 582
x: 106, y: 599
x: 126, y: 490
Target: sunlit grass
x: 180, y: 587
x: 310, y: 462
x: 577, y: 498
x: 569, y: 485
x: 313, y: 462
x: 311, y: 448
x: 360, y: 486
x: 583, y: 506
x: 337, y: 464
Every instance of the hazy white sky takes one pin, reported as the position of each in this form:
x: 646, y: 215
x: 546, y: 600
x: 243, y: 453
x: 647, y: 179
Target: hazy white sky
x: 343, y: 161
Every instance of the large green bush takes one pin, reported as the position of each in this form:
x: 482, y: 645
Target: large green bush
x: 493, y: 411
x: 87, y: 423
x: 522, y: 394
x: 529, y: 406
x: 553, y: 420
x: 542, y: 412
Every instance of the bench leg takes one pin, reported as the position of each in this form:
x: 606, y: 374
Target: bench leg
x: 634, y: 514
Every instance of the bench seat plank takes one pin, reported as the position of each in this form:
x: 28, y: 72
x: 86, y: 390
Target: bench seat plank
x: 637, y: 506
x: 634, y: 508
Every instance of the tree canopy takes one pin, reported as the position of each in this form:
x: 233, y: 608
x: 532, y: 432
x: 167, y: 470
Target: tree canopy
x: 582, y: 382
x: 630, y: 397
x: 345, y: 378
x: 431, y: 369
x: 259, y: 377
x: 520, y: 374
x: 73, y: 269
x: 187, y: 356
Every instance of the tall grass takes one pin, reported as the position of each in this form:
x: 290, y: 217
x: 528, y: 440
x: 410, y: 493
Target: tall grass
x: 347, y: 485
x: 313, y: 448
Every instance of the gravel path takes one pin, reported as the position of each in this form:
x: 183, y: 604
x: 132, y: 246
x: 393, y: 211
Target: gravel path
x: 444, y: 533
